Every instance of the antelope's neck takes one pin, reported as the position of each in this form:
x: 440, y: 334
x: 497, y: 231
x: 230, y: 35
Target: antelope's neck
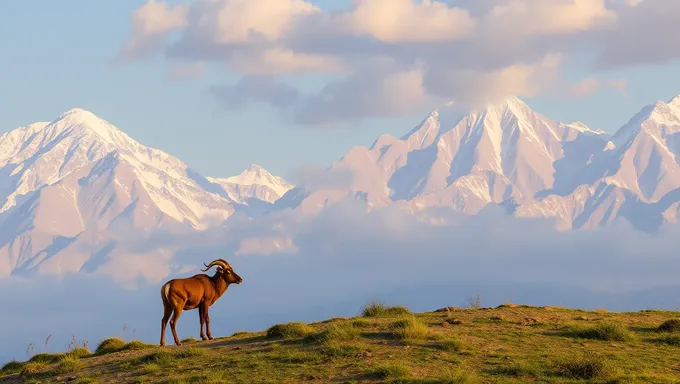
x: 220, y: 286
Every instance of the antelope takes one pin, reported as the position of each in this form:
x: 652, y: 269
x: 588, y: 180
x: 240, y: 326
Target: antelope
x: 198, y: 291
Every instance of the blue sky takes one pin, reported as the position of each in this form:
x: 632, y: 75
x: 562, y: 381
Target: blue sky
x: 59, y: 55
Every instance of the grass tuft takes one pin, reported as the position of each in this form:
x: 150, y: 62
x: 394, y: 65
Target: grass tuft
x: 338, y: 332
x: 109, y: 345
x: 136, y: 345
x: 12, y: 367
x: 391, y: 371
x: 672, y: 325
x: 376, y: 309
x: 409, y: 328
x: 293, y: 330
x: 603, y: 331
x: 588, y: 366
x: 68, y: 364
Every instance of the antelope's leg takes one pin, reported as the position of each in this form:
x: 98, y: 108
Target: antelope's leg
x: 173, y: 322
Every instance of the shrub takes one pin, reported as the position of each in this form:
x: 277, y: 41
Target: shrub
x: 375, y: 309
x: 289, y: 331
x: 189, y: 340
x: 110, y: 345
x: 587, y: 366
x: 602, y: 331
x: 672, y: 325
x: 409, y: 328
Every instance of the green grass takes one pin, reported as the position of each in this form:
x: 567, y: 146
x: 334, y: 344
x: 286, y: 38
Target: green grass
x: 604, y: 331
x: 289, y: 331
x: 377, y: 309
x: 409, y: 328
x: 586, y: 366
x: 394, y: 347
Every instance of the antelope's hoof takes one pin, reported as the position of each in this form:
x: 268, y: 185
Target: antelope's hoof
x: 210, y: 338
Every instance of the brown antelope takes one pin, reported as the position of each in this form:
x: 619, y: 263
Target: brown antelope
x: 199, y: 291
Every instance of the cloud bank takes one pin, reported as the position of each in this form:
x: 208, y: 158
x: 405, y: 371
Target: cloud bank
x: 391, y: 57
x: 344, y: 257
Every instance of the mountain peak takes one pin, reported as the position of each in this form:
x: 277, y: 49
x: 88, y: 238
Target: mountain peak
x: 675, y: 101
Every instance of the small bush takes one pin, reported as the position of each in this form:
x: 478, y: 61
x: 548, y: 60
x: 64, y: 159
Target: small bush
x: 375, y: 309
x: 391, y: 371
x: 189, y: 340
x: 289, y: 331
x: 110, y: 345
x: 12, y: 367
x: 672, y: 325
x: 602, y: 331
x: 588, y: 366
x: 409, y: 328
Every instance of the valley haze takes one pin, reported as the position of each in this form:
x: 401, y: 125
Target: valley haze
x: 499, y: 200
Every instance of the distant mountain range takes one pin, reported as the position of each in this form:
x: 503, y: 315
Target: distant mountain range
x: 70, y: 187
x: 511, y: 156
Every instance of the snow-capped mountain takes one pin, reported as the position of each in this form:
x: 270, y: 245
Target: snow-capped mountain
x: 253, y: 183
x: 466, y: 161
x: 62, y: 181
x: 509, y: 155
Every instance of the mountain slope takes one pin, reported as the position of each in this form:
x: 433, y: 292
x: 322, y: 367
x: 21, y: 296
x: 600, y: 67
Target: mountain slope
x: 505, y: 151
x: 450, y: 345
x: 80, y: 174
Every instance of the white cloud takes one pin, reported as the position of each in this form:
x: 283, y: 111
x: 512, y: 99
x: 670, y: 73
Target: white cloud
x: 467, y: 51
x: 150, y: 24
x: 591, y: 85
x: 386, y: 254
x: 404, y: 21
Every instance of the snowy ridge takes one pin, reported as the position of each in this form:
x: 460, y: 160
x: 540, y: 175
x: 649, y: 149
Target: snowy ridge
x: 506, y: 154
x: 64, y: 180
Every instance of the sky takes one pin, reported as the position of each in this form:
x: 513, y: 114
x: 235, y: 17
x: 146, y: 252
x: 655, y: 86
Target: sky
x: 315, y: 78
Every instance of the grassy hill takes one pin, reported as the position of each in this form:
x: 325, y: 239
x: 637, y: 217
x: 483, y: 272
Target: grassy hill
x: 508, y: 344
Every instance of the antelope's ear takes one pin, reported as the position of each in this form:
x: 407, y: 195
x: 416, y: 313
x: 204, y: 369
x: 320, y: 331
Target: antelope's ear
x: 220, y: 270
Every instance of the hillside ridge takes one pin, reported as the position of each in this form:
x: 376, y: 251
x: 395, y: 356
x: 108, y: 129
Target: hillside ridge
x: 510, y: 344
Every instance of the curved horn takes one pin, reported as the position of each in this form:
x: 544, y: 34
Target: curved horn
x: 218, y: 262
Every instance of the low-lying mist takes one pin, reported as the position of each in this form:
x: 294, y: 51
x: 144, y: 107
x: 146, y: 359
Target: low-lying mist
x: 342, y: 259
